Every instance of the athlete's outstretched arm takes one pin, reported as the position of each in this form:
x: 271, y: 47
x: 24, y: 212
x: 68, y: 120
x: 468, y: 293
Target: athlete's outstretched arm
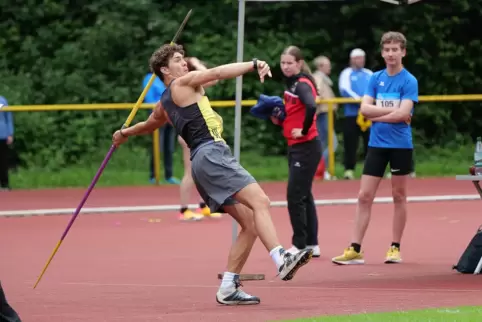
x: 402, y: 114
x: 370, y: 111
x: 198, y: 78
x: 197, y: 65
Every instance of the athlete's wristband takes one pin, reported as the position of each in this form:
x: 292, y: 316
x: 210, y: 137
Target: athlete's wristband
x: 255, y: 63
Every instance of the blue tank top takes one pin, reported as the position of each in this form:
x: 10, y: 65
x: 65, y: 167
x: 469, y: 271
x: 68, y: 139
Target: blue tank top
x: 197, y: 123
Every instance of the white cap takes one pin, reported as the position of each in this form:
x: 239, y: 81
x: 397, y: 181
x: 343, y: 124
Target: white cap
x: 357, y: 52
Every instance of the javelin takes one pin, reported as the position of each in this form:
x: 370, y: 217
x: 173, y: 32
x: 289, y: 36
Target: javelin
x: 109, y: 154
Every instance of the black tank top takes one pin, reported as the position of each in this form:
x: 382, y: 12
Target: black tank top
x: 197, y: 123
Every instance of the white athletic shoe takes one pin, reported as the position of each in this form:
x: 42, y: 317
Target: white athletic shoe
x: 236, y: 296
x: 293, y: 250
x: 316, y: 250
x: 292, y: 263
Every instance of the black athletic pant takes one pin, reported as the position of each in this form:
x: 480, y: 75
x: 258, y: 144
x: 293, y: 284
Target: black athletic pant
x: 351, y: 136
x: 3, y: 164
x: 303, y: 159
x: 7, y: 313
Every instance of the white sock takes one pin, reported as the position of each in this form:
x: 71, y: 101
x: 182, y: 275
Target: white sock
x: 276, y: 256
x: 227, y: 282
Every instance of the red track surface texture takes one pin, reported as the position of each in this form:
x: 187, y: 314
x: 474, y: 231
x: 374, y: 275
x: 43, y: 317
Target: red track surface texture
x: 121, y: 267
x: 158, y: 195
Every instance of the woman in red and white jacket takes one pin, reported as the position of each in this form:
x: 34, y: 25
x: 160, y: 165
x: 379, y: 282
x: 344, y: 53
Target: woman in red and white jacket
x: 304, y: 148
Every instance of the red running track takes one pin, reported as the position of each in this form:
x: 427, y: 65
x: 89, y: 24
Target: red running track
x: 156, y: 195
x: 121, y: 267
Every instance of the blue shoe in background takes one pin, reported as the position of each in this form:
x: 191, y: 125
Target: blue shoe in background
x: 173, y: 180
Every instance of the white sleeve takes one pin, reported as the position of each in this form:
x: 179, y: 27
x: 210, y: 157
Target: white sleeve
x: 369, y: 72
x: 344, y: 84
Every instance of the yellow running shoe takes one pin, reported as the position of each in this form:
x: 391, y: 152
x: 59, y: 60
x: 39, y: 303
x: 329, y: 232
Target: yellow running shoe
x: 393, y: 255
x: 349, y: 257
x: 190, y: 215
x: 207, y: 213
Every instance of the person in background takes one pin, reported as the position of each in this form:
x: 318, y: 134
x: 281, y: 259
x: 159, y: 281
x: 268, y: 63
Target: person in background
x: 304, y: 149
x: 324, y: 84
x: 6, y: 139
x: 187, y: 183
x: 389, y: 102
x: 7, y: 313
x: 166, y: 133
x: 352, y: 83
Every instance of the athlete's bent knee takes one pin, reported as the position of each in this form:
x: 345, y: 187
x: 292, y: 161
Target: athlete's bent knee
x: 244, y: 216
x: 247, y: 223
x: 261, y: 201
x: 250, y: 228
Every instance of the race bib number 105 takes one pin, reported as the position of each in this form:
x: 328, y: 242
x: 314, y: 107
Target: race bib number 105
x: 391, y: 100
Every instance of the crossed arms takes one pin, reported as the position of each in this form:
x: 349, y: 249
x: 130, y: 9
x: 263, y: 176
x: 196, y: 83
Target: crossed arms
x: 386, y: 114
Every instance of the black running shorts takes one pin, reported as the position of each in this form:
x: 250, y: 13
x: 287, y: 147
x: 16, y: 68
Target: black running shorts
x: 377, y: 159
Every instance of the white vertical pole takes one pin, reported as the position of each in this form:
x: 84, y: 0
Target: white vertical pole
x: 239, y: 97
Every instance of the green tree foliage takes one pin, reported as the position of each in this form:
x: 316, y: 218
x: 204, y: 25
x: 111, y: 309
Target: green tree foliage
x: 97, y: 51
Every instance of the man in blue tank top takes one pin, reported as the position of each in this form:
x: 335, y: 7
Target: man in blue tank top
x: 221, y: 181
x: 388, y: 102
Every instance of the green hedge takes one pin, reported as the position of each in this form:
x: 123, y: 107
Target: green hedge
x: 97, y: 52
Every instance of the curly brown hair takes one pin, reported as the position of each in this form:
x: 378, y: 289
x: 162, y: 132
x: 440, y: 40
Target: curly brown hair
x: 160, y: 58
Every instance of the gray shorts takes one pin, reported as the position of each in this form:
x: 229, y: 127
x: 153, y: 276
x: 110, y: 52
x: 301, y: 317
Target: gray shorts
x: 218, y: 175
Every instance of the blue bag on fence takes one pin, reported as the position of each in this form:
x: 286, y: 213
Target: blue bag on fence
x: 268, y: 106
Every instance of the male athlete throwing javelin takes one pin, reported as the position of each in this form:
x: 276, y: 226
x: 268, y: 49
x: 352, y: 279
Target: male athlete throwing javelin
x: 395, y: 91
x: 221, y: 181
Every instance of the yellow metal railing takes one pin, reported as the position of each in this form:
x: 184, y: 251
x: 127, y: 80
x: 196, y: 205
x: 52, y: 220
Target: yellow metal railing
x: 225, y: 104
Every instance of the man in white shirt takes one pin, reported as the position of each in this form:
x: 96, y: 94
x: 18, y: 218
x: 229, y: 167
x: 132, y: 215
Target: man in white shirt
x: 352, y: 83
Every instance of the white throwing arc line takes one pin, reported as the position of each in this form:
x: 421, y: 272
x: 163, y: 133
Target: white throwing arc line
x: 277, y: 286
x: 157, y: 208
